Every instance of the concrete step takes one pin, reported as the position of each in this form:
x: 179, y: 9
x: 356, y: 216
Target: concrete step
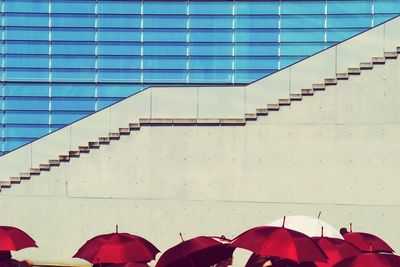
x: 319, y: 86
x: 295, y: 97
x: 15, y: 180
x: 104, y: 140
x: 330, y: 81
x: 305, y: 92
x: 144, y: 121
x: 5, y: 183
x: 25, y: 175
x: 113, y: 136
x: 378, y: 60
x: 184, y: 122
x: 94, y: 144
x: 74, y: 154
x: 160, y: 121
x: 84, y: 149
x: 44, y: 167
x: 284, y: 102
x: 34, y: 171
x: 250, y: 116
x: 366, y: 65
x: 390, y: 55
x: 134, y: 126
x: 236, y: 122
x: 124, y: 131
x: 273, y: 107
x: 354, y: 71
x: 54, y: 162
x: 342, y: 76
x: 63, y: 158
x: 262, y: 111
x: 208, y: 122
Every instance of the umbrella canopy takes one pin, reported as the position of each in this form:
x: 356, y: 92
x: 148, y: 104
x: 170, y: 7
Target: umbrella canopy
x: 12, y: 238
x: 370, y: 259
x: 280, y: 242
x: 201, y: 251
x: 307, y: 225
x: 367, y: 242
x: 117, y: 248
x: 256, y: 260
x: 336, y: 250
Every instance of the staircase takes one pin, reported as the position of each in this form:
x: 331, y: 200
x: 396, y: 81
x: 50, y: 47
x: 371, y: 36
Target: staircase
x: 212, y: 122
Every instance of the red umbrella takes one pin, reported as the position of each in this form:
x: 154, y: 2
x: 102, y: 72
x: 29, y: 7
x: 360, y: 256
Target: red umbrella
x: 12, y: 238
x: 117, y: 248
x: 366, y: 242
x: 201, y: 251
x: 370, y: 259
x: 280, y: 242
x: 336, y: 250
x: 256, y: 260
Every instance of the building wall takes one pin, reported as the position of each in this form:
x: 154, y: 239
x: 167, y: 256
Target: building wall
x: 336, y: 152
x: 65, y: 59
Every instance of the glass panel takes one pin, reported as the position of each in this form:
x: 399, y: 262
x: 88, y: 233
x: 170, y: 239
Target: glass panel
x: 257, y: 35
x: 119, y: 21
x: 210, y: 35
x: 302, y: 35
x: 177, y: 76
x: 177, y: 49
x: 270, y: 63
x: 23, y: 74
x: 349, y: 7
x: 386, y: 6
x: 164, y: 62
x: 303, y: 49
x: 73, y: 6
x: 105, y: 75
x: 247, y: 76
x: 211, y: 21
x: 73, y: 90
x: 224, y: 7
x: 256, y: 49
x: 34, y: 6
x: 253, y: 8
x: 27, y: 103
x: 117, y: 90
x: 26, y: 90
x: 27, y: 61
x: 27, y: 33
x: 165, y: 35
x: 199, y: 76
x: 119, y: 62
x: 302, y: 21
x: 210, y: 63
x: 73, y: 20
x: 125, y: 35
x: 73, y: 103
x: 211, y: 49
x: 70, y: 61
x: 27, y: 117
x: 119, y: 7
x: 119, y: 48
x: 349, y: 21
x: 303, y: 7
x: 25, y: 19
x: 75, y: 75
x: 160, y: 7
x: 26, y: 131
x: 27, y: 47
x: 67, y: 117
x: 73, y: 34
x: 260, y: 21
x: 71, y: 48
x: 159, y: 21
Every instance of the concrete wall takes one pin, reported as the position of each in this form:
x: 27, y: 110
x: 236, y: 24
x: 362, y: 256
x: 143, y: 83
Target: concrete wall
x: 337, y: 152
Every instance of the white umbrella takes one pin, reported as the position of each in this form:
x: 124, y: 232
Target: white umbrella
x: 308, y: 225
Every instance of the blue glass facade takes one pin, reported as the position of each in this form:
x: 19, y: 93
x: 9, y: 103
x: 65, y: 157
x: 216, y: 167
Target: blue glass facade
x: 65, y: 59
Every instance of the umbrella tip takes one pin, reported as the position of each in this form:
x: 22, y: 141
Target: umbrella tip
x: 351, y: 227
x: 319, y: 215
x: 284, y: 220
x: 181, y: 236
x: 322, y: 231
x: 116, y: 228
